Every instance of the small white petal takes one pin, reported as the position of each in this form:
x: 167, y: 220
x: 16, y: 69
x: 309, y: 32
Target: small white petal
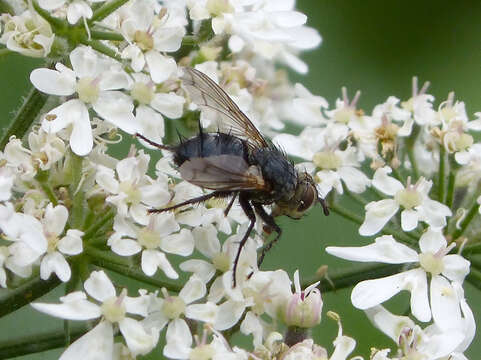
x: 55, y: 262
x: 55, y: 218
x: 160, y: 66
x: 455, y: 267
x: 99, y: 286
x: 153, y: 259
x: 97, y: 344
x: 206, y: 240
x: 71, y: 243
x: 356, y: 181
x: 432, y: 241
x: 385, y: 249
x: 202, y: 312
x: 386, y: 184
x: 74, y: 307
x: 201, y: 268
x: 137, y: 339
x: 170, y: 105
x: 388, y: 323
x: 179, y: 340
x: 180, y: 244
x: 124, y: 247
x: 117, y: 108
x: 193, y: 289
x: 78, y: 9
x: 53, y: 82
x: 378, y: 214
x: 81, y: 139
x: 444, y: 304
x: 409, y: 219
x: 229, y: 314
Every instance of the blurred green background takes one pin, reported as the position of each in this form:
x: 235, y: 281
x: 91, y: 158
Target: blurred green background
x: 371, y: 45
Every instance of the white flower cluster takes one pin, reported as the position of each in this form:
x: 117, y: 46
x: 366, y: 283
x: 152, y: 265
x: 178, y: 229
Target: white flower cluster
x: 67, y: 208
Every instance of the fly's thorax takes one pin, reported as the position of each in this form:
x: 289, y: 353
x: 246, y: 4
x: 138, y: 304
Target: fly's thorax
x: 304, y: 197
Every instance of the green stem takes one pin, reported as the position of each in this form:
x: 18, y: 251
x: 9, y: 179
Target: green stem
x: 472, y: 249
x: 410, y: 141
x: 36, y: 343
x: 346, y: 213
x: 92, y: 230
x: 106, y: 35
x: 101, y: 48
x: 474, y: 278
x: 352, y: 276
x: 357, y: 198
x: 397, y: 174
x: 472, y: 212
x: 24, y: 117
x: 5, y: 51
x: 76, y: 193
x: 451, y: 181
x: 56, y: 23
x: 105, y: 10
x: 43, y: 177
x: 121, y: 266
x: 12, y: 300
x: 442, y: 170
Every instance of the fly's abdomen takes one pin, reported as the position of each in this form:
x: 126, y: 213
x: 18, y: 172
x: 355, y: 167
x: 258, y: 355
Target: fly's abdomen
x: 209, y: 144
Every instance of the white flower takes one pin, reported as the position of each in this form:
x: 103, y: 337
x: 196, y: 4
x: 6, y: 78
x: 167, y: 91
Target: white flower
x: 98, y: 342
x: 414, y: 342
x: 75, y: 9
x: 153, y: 240
x: 94, y: 80
x: 413, y: 198
x: 54, y: 221
x: 470, y: 171
x: 306, y: 108
x: 27, y: 237
x: 28, y: 34
x: 304, y: 307
x: 7, y: 178
x: 433, y: 260
x: 46, y: 148
x: 271, y: 29
x: 133, y: 192
x: 149, y: 34
x: 170, y: 310
x: 19, y: 159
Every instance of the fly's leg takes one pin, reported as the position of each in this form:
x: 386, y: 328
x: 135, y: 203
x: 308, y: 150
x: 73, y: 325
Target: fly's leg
x: 269, y: 220
x: 195, y: 200
x: 229, y: 206
x: 160, y: 146
x: 246, y: 206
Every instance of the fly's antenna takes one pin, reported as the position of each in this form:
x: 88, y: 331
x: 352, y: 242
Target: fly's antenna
x: 325, y: 208
x: 160, y: 146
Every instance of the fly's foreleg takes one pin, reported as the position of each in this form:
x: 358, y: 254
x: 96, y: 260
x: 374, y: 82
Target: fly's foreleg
x: 195, y: 200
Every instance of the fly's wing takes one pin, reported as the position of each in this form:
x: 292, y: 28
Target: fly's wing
x: 206, y: 93
x: 222, y: 172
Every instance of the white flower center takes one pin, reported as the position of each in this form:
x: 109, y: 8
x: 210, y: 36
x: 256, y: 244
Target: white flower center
x: 148, y: 238
x: 113, y: 309
x: 431, y: 263
x: 142, y: 92
x: 173, y: 307
x: 326, y: 160
x: 448, y: 113
x: 133, y: 194
x: 52, y: 240
x: 88, y: 89
x: 144, y: 40
x: 219, y: 7
x: 463, y: 141
x: 408, y: 198
x: 221, y: 262
x: 202, y: 352
x: 344, y: 115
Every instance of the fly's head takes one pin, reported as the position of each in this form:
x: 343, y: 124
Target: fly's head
x: 305, y: 196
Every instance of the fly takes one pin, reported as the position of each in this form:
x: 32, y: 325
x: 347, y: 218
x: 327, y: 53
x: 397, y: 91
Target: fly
x: 238, y: 162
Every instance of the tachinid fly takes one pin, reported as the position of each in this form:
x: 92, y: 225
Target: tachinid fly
x: 237, y: 161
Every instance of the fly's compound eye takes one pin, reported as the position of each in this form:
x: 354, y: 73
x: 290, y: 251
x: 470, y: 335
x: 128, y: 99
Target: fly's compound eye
x: 308, y: 198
